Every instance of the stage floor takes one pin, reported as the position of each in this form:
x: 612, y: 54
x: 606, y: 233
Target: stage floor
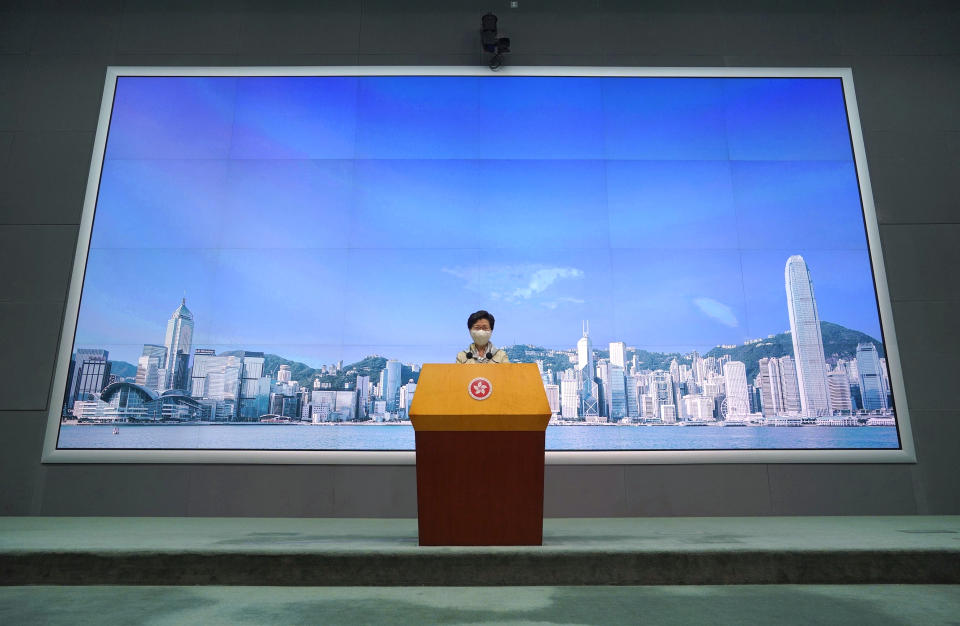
x: 783, y: 605
x: 384, y: 552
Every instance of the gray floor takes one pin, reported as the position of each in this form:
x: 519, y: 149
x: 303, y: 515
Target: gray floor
x: 877, y: 605
x: 399, y: 536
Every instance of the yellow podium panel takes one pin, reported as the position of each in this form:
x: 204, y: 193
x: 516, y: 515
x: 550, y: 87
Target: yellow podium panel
x: 479, y: 396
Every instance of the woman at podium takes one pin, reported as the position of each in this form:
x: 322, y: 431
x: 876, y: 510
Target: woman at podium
x: 480, y: 325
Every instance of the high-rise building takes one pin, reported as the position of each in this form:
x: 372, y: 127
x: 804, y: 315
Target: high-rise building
x: 569, y: 396
x: 668, y: 413
x: 284, y: 374
x: 181, y: 372
x: 755, y: 405
x: 699, y: 408
x: 406, y: 398
x: 699, y: 367
x: 807, y: 338
x: 603, y: 387
x: 254, y: 392
x: 91, y: 373
x: 735, y: 382
x: 363, y: 395
x: 323, y: 406
x: 617, y: 393
x: 649, y: 408
x: 631, y: 395
x: 871, y: 380
x: 777, y: 387
x: 618, y: 352
x: 885, y: 377
x: 662, y: 389
x: 585, y: 353
x: 178, y: 339
x: 789, y: 387
x: 771, y: 394
x: 839, y: 391
x: 553, y: 398
x: 391, y: 391
x: 150, y: 364
x: 203, y: 359
x: 853, y: 372
x: 586, y: 374
x: 234, y: 387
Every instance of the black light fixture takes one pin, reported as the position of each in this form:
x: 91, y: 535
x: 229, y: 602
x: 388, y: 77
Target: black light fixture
x: 498, y: 46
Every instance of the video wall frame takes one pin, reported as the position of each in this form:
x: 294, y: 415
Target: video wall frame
x: 703, y: 390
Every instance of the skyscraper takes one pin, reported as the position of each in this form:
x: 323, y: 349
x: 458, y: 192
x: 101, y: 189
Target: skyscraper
x: 807, y: 338
x: 617, y: 393
x: 569, y: 402
x: 363, y: 395
x: 178, y: 339
x: 91, y: 373
x: 839, y: 391
x: 152, y: 361
x: 618, y: 351
x: 585, y: 353
x: 586, y: 373
x: 253, y: 394
x: 871, y: 380
x: 771, y: 395
x: 788, y: 386
x: 553, y: 398
x: 632, y: 396
x: 391, y: 390
x: 735, y: 381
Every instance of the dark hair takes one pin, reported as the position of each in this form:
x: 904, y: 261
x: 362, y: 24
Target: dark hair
x: 479, y: 315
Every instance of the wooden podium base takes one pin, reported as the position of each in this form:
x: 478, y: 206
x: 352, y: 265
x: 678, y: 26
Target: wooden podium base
x: 480, y: 488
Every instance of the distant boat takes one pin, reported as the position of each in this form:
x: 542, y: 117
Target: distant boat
x: 116, y: 430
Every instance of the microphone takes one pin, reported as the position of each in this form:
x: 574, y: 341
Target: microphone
x: 489, y: 355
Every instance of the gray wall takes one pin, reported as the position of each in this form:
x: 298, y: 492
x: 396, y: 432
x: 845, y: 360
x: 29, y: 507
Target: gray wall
x: 905, y: 56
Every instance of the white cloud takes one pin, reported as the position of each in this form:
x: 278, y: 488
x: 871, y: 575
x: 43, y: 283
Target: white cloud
x: 717, y: 310
x: 515, y: 283
x: 552, y: 304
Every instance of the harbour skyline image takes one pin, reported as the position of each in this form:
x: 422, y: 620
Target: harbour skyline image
x: 288, y: 251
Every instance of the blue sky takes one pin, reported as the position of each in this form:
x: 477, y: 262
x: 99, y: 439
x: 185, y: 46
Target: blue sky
x: 328, y: 218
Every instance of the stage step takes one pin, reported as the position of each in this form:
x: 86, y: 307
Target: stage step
x: 384, y: 552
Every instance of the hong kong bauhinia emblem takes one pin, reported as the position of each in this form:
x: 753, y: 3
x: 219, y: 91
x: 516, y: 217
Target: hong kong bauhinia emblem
x: 480, y: 388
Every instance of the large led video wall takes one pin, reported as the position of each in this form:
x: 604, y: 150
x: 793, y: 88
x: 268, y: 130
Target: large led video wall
x: 268, y: 258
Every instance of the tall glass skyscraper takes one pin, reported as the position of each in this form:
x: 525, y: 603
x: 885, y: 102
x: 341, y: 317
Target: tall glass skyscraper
x: 807, y: 339
x: 391, y: 384
x: 586, y: 372
x: 178, y: 340
x: 871, y: 380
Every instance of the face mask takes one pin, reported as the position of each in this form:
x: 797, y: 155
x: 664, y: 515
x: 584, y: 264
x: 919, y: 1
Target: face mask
x: 480, y: 337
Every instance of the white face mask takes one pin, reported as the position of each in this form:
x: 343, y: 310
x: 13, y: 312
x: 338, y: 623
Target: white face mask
x: 480, y: 337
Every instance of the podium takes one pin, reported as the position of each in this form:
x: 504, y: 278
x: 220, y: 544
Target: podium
x: 480, y: 431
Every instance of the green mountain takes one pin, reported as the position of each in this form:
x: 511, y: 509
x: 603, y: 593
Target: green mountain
x: 123, y: 369
x: 839, y: 342
x: 305, y: 375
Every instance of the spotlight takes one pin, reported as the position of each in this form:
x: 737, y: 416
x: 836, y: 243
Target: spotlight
x: 498, y: 46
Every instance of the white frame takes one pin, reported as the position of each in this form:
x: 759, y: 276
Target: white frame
x: 904, y: 455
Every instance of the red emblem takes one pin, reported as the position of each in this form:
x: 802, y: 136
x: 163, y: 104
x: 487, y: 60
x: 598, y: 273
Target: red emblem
x: 480, y: 388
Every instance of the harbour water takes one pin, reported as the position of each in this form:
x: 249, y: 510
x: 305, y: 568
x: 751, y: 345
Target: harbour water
x: 400, y: 437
